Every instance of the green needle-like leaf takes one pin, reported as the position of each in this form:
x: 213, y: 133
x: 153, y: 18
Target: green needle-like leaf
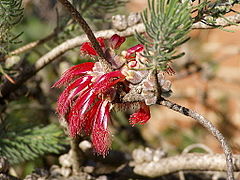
x: 31, y: 143
x: 167, y: 22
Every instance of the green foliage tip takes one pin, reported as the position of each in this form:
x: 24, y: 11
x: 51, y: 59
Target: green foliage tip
x: 167, y: 22
x: 11, y: 13
x: 31, y: 143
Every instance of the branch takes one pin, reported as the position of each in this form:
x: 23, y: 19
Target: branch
x: 221, y: 22
x: 77, y: 154
x: 209, y: 126
x: 199, y: 25
x: 129, y: 31
x: 31, y: 45
x: 187, y: 162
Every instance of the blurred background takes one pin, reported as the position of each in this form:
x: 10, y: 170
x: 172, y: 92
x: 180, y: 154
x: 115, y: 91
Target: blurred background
x: 207, y: 80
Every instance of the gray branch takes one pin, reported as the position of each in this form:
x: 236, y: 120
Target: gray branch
x: 221, y: 22
x: 187, y: 162
x: 209, y: 126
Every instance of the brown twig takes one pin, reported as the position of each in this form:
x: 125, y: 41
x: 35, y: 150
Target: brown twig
x: 78, y: 17
x: 209, y: 126
x: 186, y: 162
x: 34, y: 44
x: 77, y: 41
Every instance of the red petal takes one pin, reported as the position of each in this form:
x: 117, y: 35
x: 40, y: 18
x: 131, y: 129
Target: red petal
x: 73, y: 73
x: 86, y: 101
x: 104, y: 82
x: 107, y: 116
x: 116, y: 41
x: 141, y: 116
x: 101, y: 139
x: 103, y: 115
x: 90, y: 118
x: 74, y: 119
x: 100, y: 134
x: 65, y: 99
x: 101, y: 41
x: 94, y: 122
x: 98, y: 115
x: 134, y: 49
x: 74, y: 122
x: 88, y: 49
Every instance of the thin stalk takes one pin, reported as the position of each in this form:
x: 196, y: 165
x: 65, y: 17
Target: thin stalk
x: 209, y: 126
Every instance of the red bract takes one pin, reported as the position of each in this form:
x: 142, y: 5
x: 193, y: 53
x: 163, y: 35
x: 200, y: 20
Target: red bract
x: 141, y: 116
x: 88, y: 49
x: 91, y: 92
x: 73, y: 73
x: 116, y: 41
x: 134, y: 49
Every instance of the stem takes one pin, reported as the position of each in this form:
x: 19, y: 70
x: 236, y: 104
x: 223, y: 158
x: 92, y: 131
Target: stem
x: 78, y: 17
x: 77, y: 154
x: 209, y: 126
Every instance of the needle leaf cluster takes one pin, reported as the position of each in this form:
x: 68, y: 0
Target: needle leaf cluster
x: 167, y: 22
x: 31, y: 143
x: 11, y: 13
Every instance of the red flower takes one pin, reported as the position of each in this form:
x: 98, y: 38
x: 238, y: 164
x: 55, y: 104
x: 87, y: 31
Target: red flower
x: 86, y: 104
x: 90, y: 93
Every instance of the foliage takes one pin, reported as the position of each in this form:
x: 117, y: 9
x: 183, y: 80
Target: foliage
x: 30, y: 143
x: 208, y: 12
x: 11, y: 13
x: 166, y: 23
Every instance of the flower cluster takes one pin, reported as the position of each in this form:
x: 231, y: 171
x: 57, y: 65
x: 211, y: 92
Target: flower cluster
x: 91, y: 92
